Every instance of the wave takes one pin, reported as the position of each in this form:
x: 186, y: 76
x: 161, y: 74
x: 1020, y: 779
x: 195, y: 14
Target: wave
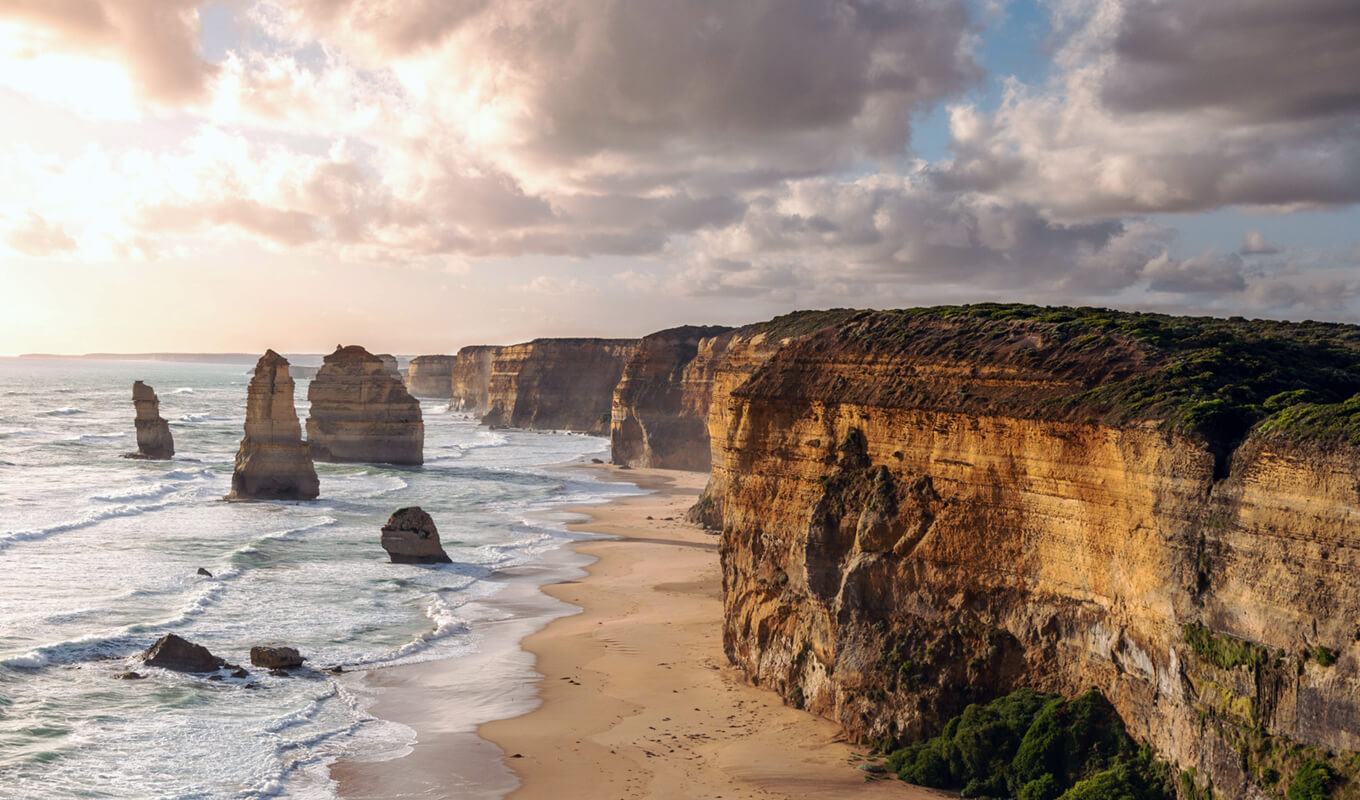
x: 203, y: 418
x: 10, y: 538
x: 90, y: 647
x: 447, y: 624
x: 62, y: 412
x: 91, y: 437
x: 183, y: 390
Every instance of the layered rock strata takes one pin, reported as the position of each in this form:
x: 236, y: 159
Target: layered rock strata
x: 556, y: 384
x: 919, y: 514
x: 660, y: 409
x: 360, y: 412
x: 410, y: 537
x: 273, y: 462
x: 431, y: 376
x: 470, y: 387
x: 153, y: 433
x: 390, y: 364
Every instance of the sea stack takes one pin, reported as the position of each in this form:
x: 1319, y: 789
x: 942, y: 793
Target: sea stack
x: 431, y: 376
x: 362, y: 412
x: 409, y: 537
x: 153, y: 433
x: 273, y: 462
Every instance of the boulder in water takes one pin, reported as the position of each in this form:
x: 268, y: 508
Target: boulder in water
x: 410, y: 537
x: 276, y: 657
x: 172, y: 652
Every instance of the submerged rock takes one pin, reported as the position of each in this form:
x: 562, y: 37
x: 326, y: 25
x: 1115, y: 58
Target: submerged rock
x: 204, y: 572
x: 273, y: 462
x: 360, y: 411
x: 410, y: 537
x: 276, y: 657
x: 129, y: 676
x: 153, y: 433
x: 172, y: 652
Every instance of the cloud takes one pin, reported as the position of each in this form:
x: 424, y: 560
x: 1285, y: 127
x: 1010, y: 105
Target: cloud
x: 37, y: 237
x: 1203, y: 274
x: 1256, y: 244
x: 156, y: 40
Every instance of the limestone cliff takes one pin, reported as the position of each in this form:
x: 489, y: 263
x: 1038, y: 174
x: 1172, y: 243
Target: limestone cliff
x: 556, y: 384
x: 922, y: 510
x: 471, y: 380
x: 153, y: 433
x: 430, y: 376
x: 273, y: 462
x: 660, y: 408
x: 390, y: 364
x: 360, y: 411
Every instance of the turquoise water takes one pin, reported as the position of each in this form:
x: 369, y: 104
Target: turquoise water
x: 99, y: 554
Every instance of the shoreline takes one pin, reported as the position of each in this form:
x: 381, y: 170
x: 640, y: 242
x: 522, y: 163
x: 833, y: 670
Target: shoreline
x: 631, y: 696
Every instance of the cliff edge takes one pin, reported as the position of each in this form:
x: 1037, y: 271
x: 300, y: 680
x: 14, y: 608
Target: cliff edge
x: 556, y: 384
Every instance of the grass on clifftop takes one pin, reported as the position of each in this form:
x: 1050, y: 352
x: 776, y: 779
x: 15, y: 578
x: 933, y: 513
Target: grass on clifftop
x: 1035, y: 746
x: 1213, y: 377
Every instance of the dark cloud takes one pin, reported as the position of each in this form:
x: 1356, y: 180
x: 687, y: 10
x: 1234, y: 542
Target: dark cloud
x: 158, y: 40
x: 1203, y: 274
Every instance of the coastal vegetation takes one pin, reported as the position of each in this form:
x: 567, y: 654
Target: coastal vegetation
x: 1034, y: 746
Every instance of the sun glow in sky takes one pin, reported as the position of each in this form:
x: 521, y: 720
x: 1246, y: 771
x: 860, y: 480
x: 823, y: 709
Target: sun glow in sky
x: 416, y: 176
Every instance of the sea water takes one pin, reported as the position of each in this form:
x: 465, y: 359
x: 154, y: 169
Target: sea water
x: 99, y: 558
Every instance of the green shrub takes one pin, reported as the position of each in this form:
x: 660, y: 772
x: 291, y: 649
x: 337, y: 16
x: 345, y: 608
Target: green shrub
x: 1224, y: 652
x: 1311, y: 782
x: 1325, y: 656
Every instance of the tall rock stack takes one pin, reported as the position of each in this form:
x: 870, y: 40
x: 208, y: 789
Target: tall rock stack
x: 430, y: 376
x: 153, y: 433
x: 390, y: 363
x: 362, y: 412
x: 273, y: 462
x: 472, y: 379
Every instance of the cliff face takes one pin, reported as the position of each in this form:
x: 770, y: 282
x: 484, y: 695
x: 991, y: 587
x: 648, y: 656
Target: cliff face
x: 429, y: 376
x: 471, y: 380
x: 273, y: 462
x: 360, y: 411
x: 153, y: 433
x: 556, y: 384
x: 660, y: 408
x: 909, y: 525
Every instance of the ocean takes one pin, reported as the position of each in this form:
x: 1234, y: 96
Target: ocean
x: 99, y: 557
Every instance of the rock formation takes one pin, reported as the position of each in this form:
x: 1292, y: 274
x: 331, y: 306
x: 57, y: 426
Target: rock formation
x: 390, y: 364
x: 276, y: 657
x: 172, y: 652
x: 410, y: 537
x: 361, y: 412
x: 431, y: 376
x: 556, y: 384
x: 471, y: 382
x: 926, y: 509
x: 153, y: 433
x: 660, y: 411
x: 273, y: 462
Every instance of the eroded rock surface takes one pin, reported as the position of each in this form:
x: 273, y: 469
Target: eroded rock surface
x: 360, y: 412
x: 471, y: 380
x: 431, y: 376
x: 410, y: 537
x: 273, y: 462
x: 557, y: 384
x: 153, y: 433
x: 174, y: 653
x: 276, y: 657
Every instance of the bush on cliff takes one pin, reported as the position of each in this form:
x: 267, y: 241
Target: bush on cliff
x: 1035, y: 746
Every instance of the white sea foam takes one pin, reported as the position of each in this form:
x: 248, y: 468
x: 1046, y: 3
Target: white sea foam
x: 65, y: 411
x: 183, y: 390
x: 10, y: 538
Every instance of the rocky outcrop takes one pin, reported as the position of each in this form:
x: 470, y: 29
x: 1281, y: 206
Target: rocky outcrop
x: 923, y: 511
x: 410, y: 537
x: 431, y: 376
x: 173, y: 653
x: 660, y: 410
x: 360, y: 412
x: 153, y: 433
x: 273, y: 462
x: 276, y: 657
x: 390, y: 364
x: 471, y: 380
x: 556, y: 384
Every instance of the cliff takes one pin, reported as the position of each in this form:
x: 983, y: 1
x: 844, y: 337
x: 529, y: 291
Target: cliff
x: 390, y: 364
x: 470, y: 384
x: 360, y: 411
x: 660, y: 408
x: 556, y: 384
x: 430, y: 376
x: 925, y: 509
x: 153, y: 433
x: 273, y: 462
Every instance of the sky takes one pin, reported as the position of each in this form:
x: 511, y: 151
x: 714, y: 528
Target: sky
x: 418, y: 175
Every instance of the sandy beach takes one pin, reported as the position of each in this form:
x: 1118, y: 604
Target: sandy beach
x: 637, y: 698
